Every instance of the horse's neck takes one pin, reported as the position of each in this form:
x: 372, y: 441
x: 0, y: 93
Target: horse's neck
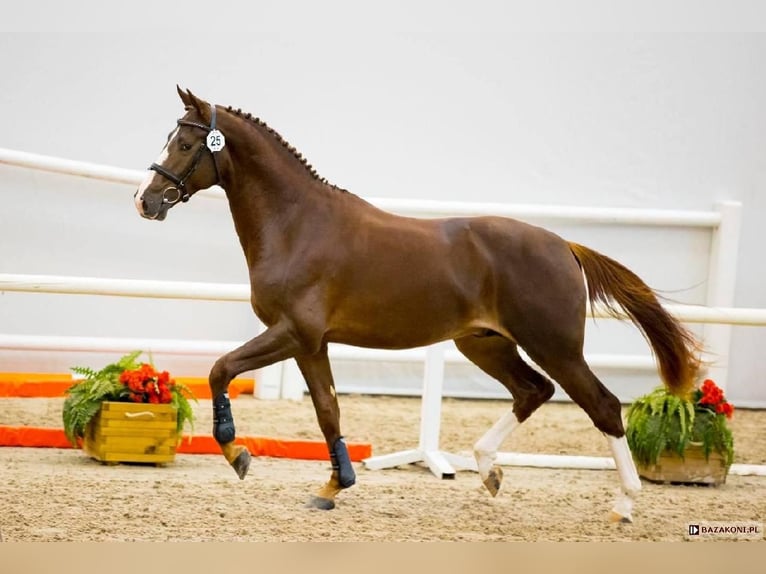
x: 268, y: 199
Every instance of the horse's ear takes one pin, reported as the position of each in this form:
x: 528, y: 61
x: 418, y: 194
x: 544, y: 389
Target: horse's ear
x: 184, y: 96
x: 199, y: 105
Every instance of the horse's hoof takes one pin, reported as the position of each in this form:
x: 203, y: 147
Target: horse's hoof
x: 616, y: 517
x: 241, y: 464
x: 320, y: 503
x: 493, y: 481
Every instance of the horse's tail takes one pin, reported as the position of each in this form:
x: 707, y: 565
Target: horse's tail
x: 676, y: 349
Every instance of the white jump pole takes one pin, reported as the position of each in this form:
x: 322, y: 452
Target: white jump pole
x: 430, y: 423
x: 574, y: 462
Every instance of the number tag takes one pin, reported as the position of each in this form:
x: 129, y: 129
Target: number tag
x: 215, y: 141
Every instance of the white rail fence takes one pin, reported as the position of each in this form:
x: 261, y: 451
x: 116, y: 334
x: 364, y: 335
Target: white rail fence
x: 285, y: 382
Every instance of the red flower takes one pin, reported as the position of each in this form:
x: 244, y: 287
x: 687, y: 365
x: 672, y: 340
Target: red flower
x: 147, y: 371
x: 146, y: 385
x: 710, y: 395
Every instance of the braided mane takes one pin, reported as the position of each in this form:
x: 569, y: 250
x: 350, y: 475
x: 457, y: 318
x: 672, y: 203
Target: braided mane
x: 296, y: 154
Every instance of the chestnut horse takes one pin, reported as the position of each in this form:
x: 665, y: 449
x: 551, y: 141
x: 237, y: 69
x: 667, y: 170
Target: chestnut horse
x: 326, y: 266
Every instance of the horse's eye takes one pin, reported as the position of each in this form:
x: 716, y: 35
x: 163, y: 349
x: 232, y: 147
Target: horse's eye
x: 186, y: 147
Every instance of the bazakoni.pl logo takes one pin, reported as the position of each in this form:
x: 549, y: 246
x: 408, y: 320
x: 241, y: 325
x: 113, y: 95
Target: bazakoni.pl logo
x: 737, y: 530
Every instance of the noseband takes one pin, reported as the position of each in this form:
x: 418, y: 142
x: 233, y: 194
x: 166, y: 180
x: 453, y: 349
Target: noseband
x: 179, y: 182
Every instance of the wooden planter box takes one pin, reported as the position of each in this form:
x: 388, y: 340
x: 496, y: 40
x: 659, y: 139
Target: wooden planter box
x: 132, y: 432
x: 692, y: 469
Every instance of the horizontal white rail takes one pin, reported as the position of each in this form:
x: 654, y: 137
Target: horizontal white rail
x: 453, y: 356
x: 191, y: 347
x: 124, y: 287
x: 241, y: 292
x: 50, y: 343
x: 717, y: 315
x: 70, y: 167
x: 560, y: 213
x: 84, y: 169
x: 578, y: 214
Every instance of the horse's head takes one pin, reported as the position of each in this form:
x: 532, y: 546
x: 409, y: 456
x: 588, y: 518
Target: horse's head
x: 187, y: 163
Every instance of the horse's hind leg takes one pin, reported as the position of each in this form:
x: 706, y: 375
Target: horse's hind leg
x: 604, y: 409
x: 499, y: 358
x: 316, y: 370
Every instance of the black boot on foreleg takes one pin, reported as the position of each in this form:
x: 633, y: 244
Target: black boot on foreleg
x: 225, y: 433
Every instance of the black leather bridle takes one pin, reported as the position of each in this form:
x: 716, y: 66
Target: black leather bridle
x: 179, y: 182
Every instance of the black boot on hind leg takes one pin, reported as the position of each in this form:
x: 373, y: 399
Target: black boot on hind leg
x: 343, y: 476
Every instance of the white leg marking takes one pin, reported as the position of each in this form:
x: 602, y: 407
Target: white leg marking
x: 485, y: 449
x: 630, y: 483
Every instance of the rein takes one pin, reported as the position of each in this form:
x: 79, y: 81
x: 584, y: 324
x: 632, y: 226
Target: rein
x: 179, y: 182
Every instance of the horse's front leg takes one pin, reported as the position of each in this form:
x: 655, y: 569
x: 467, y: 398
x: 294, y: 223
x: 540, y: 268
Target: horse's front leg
x: 316, y: 370
x: 274, y: 344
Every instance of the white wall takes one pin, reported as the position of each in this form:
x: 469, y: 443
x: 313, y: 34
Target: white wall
x: 387, y: 103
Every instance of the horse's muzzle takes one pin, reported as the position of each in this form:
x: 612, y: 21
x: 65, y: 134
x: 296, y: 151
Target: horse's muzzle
x: 145, y: 209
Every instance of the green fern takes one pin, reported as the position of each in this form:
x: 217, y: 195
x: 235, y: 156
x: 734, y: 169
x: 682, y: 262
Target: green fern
x: 659, y: 421
x: 712, y: 431
x: 84, y: 397
x: 185, y: 412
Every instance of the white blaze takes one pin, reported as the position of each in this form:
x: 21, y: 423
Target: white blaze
x: 150, y: 175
